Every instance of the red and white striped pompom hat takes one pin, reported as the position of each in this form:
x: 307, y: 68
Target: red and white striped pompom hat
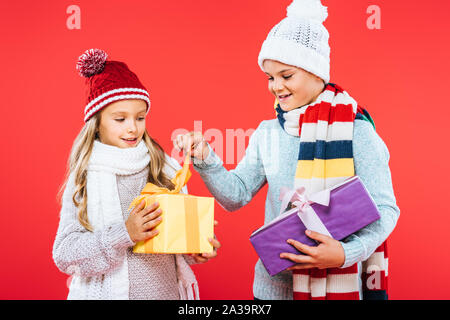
x: 108, y: 81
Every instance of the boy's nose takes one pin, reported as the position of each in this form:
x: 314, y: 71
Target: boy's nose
x: 277, y: 86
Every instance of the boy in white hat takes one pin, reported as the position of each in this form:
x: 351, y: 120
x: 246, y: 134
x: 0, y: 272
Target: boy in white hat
x: 322, y: 137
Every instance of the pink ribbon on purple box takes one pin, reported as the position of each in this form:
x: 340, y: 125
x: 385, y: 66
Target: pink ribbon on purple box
x: 302, y: 203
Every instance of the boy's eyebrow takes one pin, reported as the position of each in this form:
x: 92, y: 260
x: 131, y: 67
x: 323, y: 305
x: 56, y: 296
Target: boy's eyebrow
x: 280, y: 71
x: 285, y: 70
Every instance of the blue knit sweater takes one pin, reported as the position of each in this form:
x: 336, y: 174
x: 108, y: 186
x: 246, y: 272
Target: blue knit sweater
x: 271, y: 157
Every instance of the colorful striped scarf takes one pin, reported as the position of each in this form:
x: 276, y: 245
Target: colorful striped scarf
x: 325, y: 128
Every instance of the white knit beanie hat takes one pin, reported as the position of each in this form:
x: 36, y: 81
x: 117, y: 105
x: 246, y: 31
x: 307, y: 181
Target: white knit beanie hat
x: 300, y: 39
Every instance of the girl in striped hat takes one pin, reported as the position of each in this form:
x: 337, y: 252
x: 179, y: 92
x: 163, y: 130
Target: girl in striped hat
x: 112, y: 159
x: 321, y: 136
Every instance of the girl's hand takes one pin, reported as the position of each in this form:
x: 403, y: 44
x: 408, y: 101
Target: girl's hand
x: 142, y: 221
x: 328, y: 254
x: 192, y: 143
x: 204, y: 257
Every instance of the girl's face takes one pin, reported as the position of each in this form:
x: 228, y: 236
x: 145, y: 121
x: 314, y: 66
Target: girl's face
x: 293, y: 87
x: 122, y: 123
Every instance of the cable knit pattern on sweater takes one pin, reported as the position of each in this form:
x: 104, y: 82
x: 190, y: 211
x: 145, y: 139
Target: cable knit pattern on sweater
x: 151, y: 276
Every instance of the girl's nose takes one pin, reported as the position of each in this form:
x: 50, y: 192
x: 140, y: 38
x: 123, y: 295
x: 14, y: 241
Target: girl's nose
x: 132, y: 128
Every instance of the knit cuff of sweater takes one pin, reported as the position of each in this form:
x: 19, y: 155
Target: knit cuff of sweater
x: 211, y: 161
x: 118, y: 236
x: 354, y: 251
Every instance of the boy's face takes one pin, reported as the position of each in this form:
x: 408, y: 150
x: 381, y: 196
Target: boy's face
x: 122, y: 123
x: 293, y: 87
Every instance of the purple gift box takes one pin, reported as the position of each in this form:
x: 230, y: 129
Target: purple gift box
x: 350, y: 209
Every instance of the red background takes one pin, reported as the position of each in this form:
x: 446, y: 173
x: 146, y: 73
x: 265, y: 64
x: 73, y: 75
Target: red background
x: 199, y: 61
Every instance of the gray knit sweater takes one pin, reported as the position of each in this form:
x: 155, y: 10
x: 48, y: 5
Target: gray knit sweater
x: 271, y: 157
x: 151, y: 276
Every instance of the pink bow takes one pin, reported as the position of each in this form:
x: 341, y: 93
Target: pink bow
x: 300, y: 200
x: 302, y: 203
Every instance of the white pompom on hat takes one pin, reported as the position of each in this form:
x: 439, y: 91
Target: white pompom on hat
x: 300, y: 39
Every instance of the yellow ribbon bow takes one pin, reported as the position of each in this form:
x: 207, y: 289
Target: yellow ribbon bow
x: 182, y: 176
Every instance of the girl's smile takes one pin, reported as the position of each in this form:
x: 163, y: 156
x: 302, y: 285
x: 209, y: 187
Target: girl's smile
x: 130, y: 141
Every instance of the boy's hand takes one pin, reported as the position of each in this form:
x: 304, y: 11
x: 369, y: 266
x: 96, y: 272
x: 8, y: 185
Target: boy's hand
x: 192, y: 143
x: 328, y: 254
x: 142, y: 221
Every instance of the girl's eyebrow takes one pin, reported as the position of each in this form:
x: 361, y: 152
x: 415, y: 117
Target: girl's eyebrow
x: 124, y: 112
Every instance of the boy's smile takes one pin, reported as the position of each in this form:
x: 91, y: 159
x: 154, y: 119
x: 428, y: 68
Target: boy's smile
x: 283, y: 97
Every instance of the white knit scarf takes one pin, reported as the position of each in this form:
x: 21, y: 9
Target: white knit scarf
x: 104, y: 209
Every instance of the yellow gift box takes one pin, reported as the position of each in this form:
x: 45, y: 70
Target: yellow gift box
x: 187, y: 221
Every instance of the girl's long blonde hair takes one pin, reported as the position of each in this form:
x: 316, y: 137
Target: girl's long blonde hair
x: 79, y: 159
